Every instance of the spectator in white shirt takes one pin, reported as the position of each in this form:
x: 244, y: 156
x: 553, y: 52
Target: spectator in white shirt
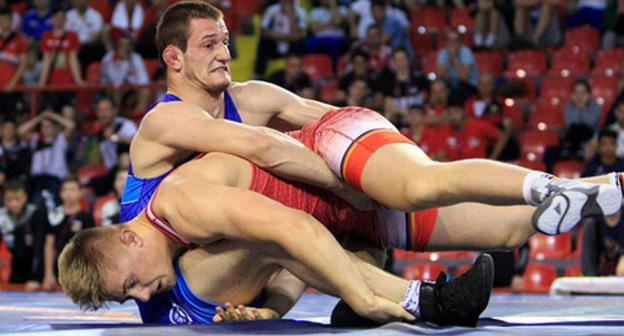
x: 283, y: 29
x: 49, y: 151
x: 88, y: 24
x: 128, y: 16
x: 124, y: 66
x: 116, y: 133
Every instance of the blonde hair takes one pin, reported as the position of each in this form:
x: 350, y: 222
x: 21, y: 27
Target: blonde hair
x: 81, y: 266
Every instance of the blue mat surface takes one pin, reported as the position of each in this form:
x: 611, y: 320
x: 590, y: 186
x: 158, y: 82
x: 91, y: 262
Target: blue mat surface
x: 53, y: 314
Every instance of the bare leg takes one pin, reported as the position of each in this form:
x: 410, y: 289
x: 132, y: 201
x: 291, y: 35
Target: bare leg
x: 402, y: 177
x: 474, y: 226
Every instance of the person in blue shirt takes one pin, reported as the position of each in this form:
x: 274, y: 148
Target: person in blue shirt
x: 456, y: 63
x: 36, y: 21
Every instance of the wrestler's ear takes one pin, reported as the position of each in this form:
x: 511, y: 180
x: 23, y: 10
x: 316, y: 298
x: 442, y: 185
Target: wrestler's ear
x: 130, y: 238
x: 172, y: 56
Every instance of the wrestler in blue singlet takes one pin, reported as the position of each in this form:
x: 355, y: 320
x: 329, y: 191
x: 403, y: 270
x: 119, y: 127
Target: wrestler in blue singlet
x: 139, y: 191
x: 179, y: 305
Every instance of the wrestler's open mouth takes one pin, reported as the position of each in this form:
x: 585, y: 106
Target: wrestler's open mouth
x: 223, y: 68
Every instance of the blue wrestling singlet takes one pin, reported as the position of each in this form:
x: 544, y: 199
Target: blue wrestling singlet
x: 177, y: 306
x: 138, y: 191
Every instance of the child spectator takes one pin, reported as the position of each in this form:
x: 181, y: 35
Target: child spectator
x: 63, y: 223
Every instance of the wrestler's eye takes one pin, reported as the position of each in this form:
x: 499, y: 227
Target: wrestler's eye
x: 209, y: 46
x: 226, y: 42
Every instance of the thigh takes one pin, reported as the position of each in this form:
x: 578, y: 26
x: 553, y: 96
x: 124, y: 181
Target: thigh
x: 474, y: 226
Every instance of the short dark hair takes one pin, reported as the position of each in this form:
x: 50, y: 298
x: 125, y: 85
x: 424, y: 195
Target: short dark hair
x: 608, y: 133
x: 14, y: 185
x: 105, y: 97
x: 71, y: 178
x: 173, y: 26
x: 583, y: 82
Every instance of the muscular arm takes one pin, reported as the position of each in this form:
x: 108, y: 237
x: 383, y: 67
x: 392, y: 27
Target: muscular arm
x: 283, y: 104
x: 187, y: 127
x: 204, y: 213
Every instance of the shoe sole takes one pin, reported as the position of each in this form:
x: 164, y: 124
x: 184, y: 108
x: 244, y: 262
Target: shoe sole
x: 599, y: 201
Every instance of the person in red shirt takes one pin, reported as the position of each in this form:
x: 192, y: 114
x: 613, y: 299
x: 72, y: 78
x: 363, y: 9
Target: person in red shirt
x: 487, y: 106
x: 467, y: 138
x: 13, y: 48
x: 436, y: 111
x: 60, y: 65
x: 427, y: 138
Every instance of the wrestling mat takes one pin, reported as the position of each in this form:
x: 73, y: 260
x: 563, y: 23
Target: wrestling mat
x: 53, y: 314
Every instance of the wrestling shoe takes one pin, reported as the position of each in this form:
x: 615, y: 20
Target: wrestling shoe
x: 568, y: 202
x: 460, y: 301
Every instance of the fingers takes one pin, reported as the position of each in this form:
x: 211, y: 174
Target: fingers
x: 229, y: 313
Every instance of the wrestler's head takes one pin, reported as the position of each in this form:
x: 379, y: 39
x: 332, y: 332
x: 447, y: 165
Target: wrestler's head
x: 113, y: 263
x: 192, y: 42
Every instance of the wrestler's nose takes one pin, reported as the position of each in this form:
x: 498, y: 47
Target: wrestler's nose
x: 140, y: 293
x: 224, y: 53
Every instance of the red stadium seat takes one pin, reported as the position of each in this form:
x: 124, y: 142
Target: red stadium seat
x: 573, y: 270
x: 151, y: 66
x: 461, y: 20
x: 608, y: 62
x: 538, y: 278
x: 86, y: 173
x: 421, y: 42
x: 245, y: 8
x: 566, y: 63
x: 489, y: 61
x: 428, y: 19
x: 428, y: 64
x: 533, y: 143
x: 546, y: 116
x: 97, y: 208
x: 526, y: 63
x: 93, y: 73
x: 571, y: 169
x: 604, y: 89
x: 423, y: 271
x: 583, y: 38
x: 543, y: 247
x: 318, y: 66
x: 102, y: 6
x: 328, y: 91
x: 557, y: 87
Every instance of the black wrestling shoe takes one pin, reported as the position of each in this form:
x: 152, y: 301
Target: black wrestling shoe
x: 460, y: 301
x: 343, y: 316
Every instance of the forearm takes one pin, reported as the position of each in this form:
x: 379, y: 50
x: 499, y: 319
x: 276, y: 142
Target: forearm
x: 290, y: 159
x: 74, y: 67
x: 46, y: 65
x: 318, y: 251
